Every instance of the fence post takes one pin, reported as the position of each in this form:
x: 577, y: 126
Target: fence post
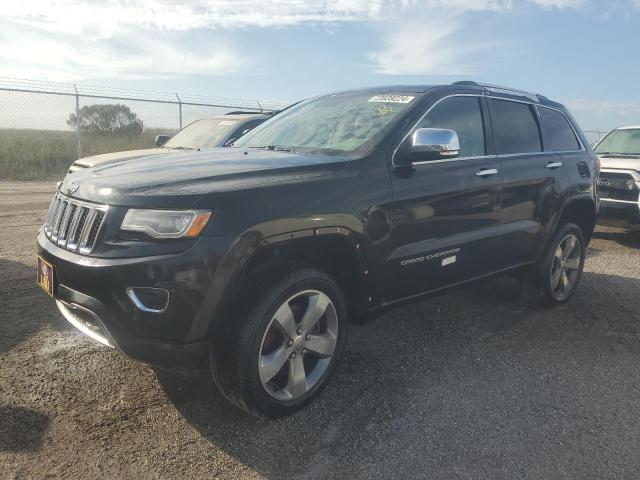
x: 179, y: 109
x: 77, y: 121
x: 259, y: 106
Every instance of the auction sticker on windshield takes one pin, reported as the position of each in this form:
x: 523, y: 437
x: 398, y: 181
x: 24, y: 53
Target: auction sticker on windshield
x: 391, y: 98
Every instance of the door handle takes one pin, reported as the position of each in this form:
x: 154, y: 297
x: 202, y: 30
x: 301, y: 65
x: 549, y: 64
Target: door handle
x: 487, y: 172
x: 553, y: 165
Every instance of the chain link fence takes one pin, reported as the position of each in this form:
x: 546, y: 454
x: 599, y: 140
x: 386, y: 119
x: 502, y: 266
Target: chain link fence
x: 44, y: 127
x: 594, y: 135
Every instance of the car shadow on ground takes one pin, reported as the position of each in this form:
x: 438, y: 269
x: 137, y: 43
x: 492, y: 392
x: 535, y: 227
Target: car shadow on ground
x: 24, y: 307
x: 484, y: 370
x: 625, y: 238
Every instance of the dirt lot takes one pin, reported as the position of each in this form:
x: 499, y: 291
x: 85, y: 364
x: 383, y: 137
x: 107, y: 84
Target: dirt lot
x: 475, y: 383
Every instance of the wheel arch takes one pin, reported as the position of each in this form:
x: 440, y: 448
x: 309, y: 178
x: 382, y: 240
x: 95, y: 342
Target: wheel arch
x: 581, y: 211
x: 336, y: 250
x: 339, y: 251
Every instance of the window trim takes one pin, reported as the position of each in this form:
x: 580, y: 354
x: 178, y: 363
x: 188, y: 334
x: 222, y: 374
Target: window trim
x: 575, y: 133
x: 536, y: 106
x: 444, y: 160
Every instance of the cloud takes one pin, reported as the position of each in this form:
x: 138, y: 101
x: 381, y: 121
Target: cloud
x: 426, y: 47
x: 560, y: 4
x: 604, y: 106
x: 131, y: 55
x: 79, y: 39
x: 430, y: 43
x: 603, y: 115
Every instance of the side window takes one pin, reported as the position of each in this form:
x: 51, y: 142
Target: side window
x: 558, y: 134
x: 244, y: 128
x: 515, y: 129
x: 464, y: 115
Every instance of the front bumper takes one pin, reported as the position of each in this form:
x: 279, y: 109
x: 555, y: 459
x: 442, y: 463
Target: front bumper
x: 620, y: 198
x: 91, y: 294
x: 619, y: 214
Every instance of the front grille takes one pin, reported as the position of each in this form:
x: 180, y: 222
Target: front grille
x: 74, y: 225
x: 618, y: 186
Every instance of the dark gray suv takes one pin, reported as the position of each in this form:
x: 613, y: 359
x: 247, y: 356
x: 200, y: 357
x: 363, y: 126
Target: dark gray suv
x: 254, y: 259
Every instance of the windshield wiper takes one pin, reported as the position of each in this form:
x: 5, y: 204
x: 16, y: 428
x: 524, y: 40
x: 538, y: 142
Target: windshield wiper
x: 275, y: 148
x: 182, y: 148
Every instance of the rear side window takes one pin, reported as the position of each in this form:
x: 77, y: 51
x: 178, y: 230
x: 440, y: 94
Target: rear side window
x: 464, y: 115
x: 515, y: 128
x: 558, y: 134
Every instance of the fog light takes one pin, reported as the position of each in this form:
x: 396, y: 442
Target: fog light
x: 148, y: 299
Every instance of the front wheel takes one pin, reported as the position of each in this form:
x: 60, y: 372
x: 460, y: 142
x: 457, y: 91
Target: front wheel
x: 561, y: 270
x: 281, y: 351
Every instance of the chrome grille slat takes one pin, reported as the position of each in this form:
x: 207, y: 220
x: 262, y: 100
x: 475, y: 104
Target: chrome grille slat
x: 56, y: 227
x: 54, y: 215
x: 74, y: 224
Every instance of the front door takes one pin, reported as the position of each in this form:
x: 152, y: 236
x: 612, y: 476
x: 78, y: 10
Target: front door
x: 444, y: 220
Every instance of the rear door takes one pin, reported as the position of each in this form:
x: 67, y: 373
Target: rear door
x: 534, y: 179
x: 444, y: 221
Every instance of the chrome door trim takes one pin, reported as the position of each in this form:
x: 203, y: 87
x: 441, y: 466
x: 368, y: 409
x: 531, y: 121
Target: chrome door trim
x: 487, y: 173
x: 457, y: 159
x: 553, y: 165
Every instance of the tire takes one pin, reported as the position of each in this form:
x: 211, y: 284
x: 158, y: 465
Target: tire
x: 262, y: 335
x: 560, y: 272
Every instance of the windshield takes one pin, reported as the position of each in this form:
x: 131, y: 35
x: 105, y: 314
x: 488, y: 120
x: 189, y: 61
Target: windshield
x: 623, y: 142
x: 333, y: 124
x: 207, y: 133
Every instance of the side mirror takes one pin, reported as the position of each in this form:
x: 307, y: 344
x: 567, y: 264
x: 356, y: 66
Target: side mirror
x: 162, y: 139
x: 434, y: 144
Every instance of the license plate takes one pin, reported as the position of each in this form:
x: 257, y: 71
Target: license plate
x: 44, y: 276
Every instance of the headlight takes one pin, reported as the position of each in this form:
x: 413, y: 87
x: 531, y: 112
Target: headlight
x: 166, y: 223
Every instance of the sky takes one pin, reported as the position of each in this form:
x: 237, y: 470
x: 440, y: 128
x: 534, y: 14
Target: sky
x: 583, y: 53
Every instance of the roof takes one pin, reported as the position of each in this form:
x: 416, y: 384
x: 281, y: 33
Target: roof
x: 468, y: 84
x: 631, y: 127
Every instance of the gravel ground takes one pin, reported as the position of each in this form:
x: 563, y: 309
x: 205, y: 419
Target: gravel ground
x: 475, y: 383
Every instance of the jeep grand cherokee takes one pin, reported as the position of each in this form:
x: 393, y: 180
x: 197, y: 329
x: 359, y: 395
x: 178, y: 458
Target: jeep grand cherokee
x: 253, y: 259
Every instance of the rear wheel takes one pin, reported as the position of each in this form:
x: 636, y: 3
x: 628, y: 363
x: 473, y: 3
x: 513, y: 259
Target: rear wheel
x: 280, y: 353
x: 561, y: 271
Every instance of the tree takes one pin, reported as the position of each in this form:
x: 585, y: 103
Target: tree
x: 107, y: 120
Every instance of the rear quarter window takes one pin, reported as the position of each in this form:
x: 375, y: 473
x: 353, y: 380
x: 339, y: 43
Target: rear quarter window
x: 558, y: 134
x: 515, y: 128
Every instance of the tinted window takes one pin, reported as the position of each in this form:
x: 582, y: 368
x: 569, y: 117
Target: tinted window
x: 515, y: 128
x: 558, y: 134
x: 464, y: 115
x: 244, y: 128
x: 206, y: 133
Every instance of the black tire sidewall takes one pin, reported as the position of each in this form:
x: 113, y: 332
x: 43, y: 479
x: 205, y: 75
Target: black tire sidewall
x: 257, y: 321
x: 545, y: 270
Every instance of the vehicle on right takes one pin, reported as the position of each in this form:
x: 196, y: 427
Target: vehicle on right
x: 619, y: 181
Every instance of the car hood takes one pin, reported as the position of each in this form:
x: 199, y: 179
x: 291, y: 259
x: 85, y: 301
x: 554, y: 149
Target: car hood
x: 105, y: 158
x: 620, y: 163
x: 181, y: 179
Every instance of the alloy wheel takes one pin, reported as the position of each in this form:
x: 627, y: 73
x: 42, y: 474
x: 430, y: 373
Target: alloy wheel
x: 298, y: 345
x: 565, y: 268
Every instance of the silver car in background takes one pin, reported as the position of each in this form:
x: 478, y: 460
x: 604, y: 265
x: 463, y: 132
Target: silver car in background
x: 619, y: 182
x: 219, y: 131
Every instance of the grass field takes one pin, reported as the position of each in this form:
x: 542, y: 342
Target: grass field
x: 47, y: 154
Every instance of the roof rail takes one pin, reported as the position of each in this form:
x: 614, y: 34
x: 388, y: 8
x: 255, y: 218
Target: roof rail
x: 501, y: 89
